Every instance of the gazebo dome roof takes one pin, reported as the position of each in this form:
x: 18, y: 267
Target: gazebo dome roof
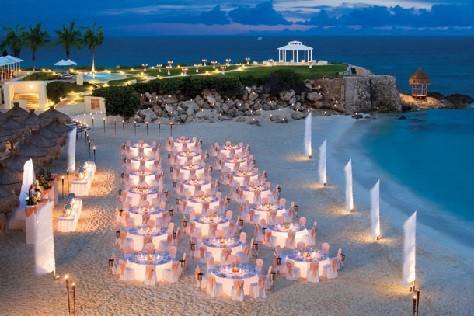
x: 419, y: 77
x: 295, y: 45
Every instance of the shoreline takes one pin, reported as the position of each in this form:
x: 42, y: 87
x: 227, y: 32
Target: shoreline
x: 398, y: 201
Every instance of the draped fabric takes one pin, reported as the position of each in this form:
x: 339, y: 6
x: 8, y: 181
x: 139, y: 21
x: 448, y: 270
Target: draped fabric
x: 308, y: 150
x: 28, y: 179
x: 71, y: 150
x: 409, y: 249
x: 349, y: 192
x: 375, y: 210
x: 322, y: 163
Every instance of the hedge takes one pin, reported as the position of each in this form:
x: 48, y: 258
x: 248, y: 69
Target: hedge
x: 122, y: 101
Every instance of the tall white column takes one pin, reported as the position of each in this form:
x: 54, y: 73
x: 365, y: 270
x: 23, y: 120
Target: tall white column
x: 349, y: 192
x: 375, y: 211
x: 409, y: 250
x: 297, y: 57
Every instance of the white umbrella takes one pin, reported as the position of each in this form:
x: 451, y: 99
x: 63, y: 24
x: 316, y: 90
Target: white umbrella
x: 62, y: 62
x: 70, y: 63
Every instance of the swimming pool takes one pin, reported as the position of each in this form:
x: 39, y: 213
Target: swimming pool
x: 102, y: 77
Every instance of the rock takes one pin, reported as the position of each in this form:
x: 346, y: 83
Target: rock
x: 137, y: 118
x: 3, y: 222
x: 314, y: 96
x: 190, y: 106
x: 287, y: 95
x: 357, y: 116
x: 298, y: 115
x: 240, y: 119
x: 147, y: 115
x: 459, y: 100
x: 254, y: 121
x: 169, y: 108
x: 253, y: 96
x: 402, y: 117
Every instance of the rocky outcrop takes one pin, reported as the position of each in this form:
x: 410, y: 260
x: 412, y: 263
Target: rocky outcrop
x: 371, y: 94
x: 323, y: 96
x: 435, y: 100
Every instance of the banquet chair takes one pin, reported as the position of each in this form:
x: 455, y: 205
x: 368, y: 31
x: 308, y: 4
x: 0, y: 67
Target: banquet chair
x: 340, y: 259
x: 238, y: 290
x: 290, y: 241
x: 150, y: 275
x: 267, y: 237
x: 213, y: 288
x: 313, y: 273
x: 172, y: 251
x: 210, y: 262
x: 220, y: 233
x: 291, y: 272
x: 259, y: 266
x: 280, y: 219
x: 254, y: 290
x: 282, y: 202
x: 331, y: 269
x: 262, y: 287
x: 149, y: 248
x: 300, y: 246
x: 269, y: 279
x: 243, y: 237
x: 325, y: 248
x: 228, y: 214
x: 302, y: 221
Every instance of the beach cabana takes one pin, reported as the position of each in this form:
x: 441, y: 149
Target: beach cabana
x: 11, y: 179
x: 419, y: 82
x: 295, y: 47
x: 17, y: 113
x: 39, y: 155
x: 52, y: 114
x: 8, y: 199
x: 9, y: 65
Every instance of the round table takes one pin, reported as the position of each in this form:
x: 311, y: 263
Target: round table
x: 203, y: 224
x: 214, y: 247
x: 138, y: 262
x: 135, y: 194
x: 236, y: 162
x: 188, y: 171
x: 143, y: 163
x: 149, y: 177
x: 231, y: 150
x: 141, y: 150
x: 188, y: 157
x: 192, y: 186
x: 137, y: 214
x: 263, y: 211
x: 254, y: 193
x: 302, y: 261
x: 280, y: 234
x: 243, y: 178
x: 184, y: 143
x: 199, y: 203
x: 138, y: 234
x: 226, y: 277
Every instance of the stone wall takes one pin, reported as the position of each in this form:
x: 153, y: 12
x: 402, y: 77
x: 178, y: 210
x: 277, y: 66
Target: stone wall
x: 372, y: 93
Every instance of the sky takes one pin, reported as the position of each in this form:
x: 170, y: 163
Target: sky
x: 206, y: 17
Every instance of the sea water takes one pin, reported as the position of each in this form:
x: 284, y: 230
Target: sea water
x: 431, y: 153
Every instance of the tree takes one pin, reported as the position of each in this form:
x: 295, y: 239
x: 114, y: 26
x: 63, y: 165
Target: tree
x: 36, y: 38
x: 69, y: 37
x: 14, y: 39
x: 93, y: 37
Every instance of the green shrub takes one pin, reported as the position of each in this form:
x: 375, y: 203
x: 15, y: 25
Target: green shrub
x: 119, y: 100
x: 284, y: 80
x: 59, y: 89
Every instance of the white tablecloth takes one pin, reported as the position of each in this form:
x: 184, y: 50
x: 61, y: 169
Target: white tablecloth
x: 231, y: 151
x: 279, y: 238
x: 235, y: 163
x: 263, y: 212
x: 136, y: 214
x: 203, y: 228
x: 185, y: 172
x: 216, y: 252
x: 138, y: 238
x: 197, y: 205
x: 180, y: 144
x: 136, y: 151
x: 134, y: 196
x: 249, y: 194
x: 148, y: 176
x: 81, y: 187
x: 191, y: 187
x: 228, y: 282
x: 139, y: 267
x: 245, y: 178
x: 188, y: 157
x: 138, y: 164
x: 69, y: 223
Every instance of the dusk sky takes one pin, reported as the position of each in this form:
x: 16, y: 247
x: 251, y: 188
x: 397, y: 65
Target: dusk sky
x: 173, y: 17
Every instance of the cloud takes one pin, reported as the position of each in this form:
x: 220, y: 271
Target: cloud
x: 215, y: 17
x: 261, y: 14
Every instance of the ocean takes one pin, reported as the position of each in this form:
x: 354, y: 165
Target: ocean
x: 448, y: 60
x: 430, y: 153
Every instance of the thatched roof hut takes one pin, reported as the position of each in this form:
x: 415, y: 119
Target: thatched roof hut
x: 419, y: 82
x: 419, y: 77
x: 6, y: 134
x: 40, y: 155
x: 52, y: 114
x: 8, y: 199
x: 11, y: 178
x: 14, y: 163
x: 33, y: 121
x: 17, y: 113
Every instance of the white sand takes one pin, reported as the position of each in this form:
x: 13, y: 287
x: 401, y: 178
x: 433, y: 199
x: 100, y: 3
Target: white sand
x: 369, y: 285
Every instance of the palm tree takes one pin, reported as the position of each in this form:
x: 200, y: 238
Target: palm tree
x: 35, y: 37
x: 69, y: 37
x: 14, y: 39
x: 93, y: 37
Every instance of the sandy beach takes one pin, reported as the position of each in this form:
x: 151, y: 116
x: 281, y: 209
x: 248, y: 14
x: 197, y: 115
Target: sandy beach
x: 370, y: 283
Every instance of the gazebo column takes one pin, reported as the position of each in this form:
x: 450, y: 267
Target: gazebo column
x: 297, y: 56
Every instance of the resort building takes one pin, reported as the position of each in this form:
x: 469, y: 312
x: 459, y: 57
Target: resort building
x: 419, y: 82
x: 295, y: 47
x: 30, y: 95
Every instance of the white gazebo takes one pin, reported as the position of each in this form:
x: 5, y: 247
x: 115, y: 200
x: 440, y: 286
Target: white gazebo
x: 9, y: 67
x: 294, y: 47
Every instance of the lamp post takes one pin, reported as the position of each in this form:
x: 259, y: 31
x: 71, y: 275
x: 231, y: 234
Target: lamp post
x: 171, y: 129
x: 135, y: 128
x: 103, y: 123
x: 62, y: 186
x: 123, y: 124
x: 146, y: 123
x: 159, y: 129
x: 89, y: 148
x: 93, y: 149
x: 73, y: 285
x: 92, y: 121
x: 115, y: 127
x: 66, y: 278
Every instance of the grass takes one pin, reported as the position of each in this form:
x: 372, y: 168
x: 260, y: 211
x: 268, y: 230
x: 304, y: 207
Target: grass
x: 41, y: 76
